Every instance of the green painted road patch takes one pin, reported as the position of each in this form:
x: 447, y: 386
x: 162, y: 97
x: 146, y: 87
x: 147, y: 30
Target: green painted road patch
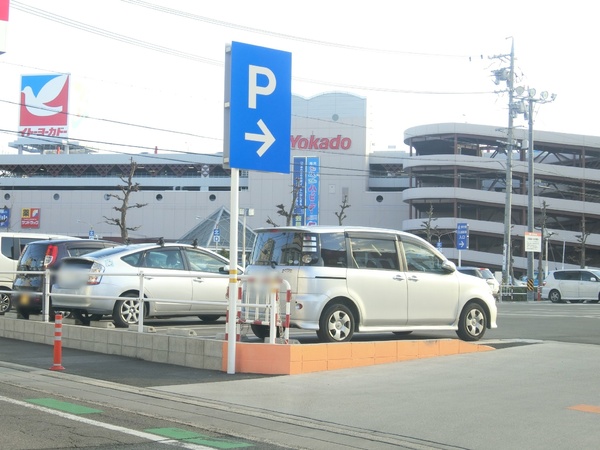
x: 195, y: 438
x: 63, y: 406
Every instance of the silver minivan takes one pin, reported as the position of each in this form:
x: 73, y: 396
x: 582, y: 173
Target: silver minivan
x: 358, y: 279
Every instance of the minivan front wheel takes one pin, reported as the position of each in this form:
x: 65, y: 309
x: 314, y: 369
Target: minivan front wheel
x: 336, y: 324
x: 472, y: 322
x: 127, y: 311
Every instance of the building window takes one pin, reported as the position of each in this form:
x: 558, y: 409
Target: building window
x: 56, y: 196
x: 159, y: 197
x: 212, y: 197
x: 107, y: 197
x: 379, y: 198
x: 6, y: 196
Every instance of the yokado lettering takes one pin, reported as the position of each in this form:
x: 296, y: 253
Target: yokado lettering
x: 316, y: 143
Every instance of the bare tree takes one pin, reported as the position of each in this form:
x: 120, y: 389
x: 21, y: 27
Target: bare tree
x: 288, y: 214
x: 427, y: 224
x: 271, y: 222
x: 340, y: 215
x: 127, y: 189
x: 582, y: 239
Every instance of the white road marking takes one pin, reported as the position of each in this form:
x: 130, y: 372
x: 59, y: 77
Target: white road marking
x: 95, y: 423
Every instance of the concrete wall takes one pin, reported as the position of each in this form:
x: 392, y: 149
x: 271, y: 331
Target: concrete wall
x: 182, y: 350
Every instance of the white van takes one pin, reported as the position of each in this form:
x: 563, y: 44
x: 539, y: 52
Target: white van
x: 572, y: 285
x: 11, y: 246
x: 352, y: 279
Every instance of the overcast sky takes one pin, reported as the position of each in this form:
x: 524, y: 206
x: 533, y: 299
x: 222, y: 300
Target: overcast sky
x: 415, y: 62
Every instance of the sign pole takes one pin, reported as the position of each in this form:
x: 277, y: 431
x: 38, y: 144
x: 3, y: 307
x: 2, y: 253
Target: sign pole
x: 233, y: 280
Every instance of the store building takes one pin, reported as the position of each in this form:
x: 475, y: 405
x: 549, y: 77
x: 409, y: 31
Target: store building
x: 73, y: 190
x: 453, y: 172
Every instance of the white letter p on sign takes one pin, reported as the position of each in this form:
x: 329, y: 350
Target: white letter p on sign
x: 254, y: 89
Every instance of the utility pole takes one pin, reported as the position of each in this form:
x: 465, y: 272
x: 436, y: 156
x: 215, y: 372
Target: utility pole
x: 502, y: 75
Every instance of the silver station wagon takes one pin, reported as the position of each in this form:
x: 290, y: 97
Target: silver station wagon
x: 107, y: 283
x: 357, y: 279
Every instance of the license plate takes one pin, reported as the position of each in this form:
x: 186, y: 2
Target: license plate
x: 24, y: 300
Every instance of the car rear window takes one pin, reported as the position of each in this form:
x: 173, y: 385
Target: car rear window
x: 80, y: 251
x: 33, y: 257
x: 486, y: 273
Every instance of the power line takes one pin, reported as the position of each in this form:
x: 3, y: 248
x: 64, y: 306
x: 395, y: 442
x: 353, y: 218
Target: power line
x: 177, y: 53
x: 224, y: 24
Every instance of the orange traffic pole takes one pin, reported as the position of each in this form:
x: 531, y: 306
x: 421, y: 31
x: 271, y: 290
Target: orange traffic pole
x: 57, y: 343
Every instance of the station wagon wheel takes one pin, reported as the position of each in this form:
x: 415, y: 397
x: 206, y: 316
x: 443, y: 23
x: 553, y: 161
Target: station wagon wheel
x: 5, y: 302
x: 85, y: 317
x: 402, y: 333
x: 264, y: 331
x: 336, y: 324
x: 127, y: 311
x: 472, y: 322
x: 554, y: 296
x: 209, y: 318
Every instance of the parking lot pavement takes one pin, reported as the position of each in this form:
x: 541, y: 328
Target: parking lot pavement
x: 509, y: 398
x: 117, y: 369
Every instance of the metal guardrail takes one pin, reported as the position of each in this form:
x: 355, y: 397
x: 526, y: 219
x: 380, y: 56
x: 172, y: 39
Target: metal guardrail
x: 247, y: 301
x: 261, y: 305
x: 515, y: 293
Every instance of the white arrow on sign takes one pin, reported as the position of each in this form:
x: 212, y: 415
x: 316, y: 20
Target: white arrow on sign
x: 266, y: 138
x: 461, y: 244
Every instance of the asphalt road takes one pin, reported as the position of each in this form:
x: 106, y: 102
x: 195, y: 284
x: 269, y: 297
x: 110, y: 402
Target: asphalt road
x: 521, y: 396
x: 543, y: 320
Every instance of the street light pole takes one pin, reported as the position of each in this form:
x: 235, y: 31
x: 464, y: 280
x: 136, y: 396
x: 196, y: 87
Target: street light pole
x: 530, y: 206
x: 531, y: 99
x: 91, y: 234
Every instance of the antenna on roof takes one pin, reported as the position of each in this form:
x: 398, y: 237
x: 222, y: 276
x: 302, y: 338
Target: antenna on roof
x: 195, y: 243
x: 161, y: 242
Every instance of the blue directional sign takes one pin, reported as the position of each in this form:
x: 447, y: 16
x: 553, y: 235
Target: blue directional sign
x: 258, y: 108
x: 462, y: 236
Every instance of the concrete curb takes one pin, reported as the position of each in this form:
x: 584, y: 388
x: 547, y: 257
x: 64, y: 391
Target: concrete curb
x: 185, y: 348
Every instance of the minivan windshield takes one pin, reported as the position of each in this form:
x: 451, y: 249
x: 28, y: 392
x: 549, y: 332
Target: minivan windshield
x: 299, y: 248
x: 281, y: 248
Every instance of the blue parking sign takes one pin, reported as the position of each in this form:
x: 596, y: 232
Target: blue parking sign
x: 258, y: 108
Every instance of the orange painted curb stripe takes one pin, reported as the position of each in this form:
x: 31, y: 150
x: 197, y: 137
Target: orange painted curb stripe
x: 586, y: 408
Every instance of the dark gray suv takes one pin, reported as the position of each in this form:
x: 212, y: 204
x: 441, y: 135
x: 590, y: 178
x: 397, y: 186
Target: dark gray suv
x: 39, y: 256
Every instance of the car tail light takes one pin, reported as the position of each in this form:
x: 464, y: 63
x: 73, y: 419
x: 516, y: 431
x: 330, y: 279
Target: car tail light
x: 95, y: 277
x: 51, y: 254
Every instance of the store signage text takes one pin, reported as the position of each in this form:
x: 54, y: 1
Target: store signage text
x: 316, y: 143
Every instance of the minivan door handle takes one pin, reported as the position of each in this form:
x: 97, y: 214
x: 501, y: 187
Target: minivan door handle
x: 399, y: 278
x: 413, y: 278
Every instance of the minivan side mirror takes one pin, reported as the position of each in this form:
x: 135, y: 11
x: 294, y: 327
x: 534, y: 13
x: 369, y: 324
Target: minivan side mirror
x: 449, y: 266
